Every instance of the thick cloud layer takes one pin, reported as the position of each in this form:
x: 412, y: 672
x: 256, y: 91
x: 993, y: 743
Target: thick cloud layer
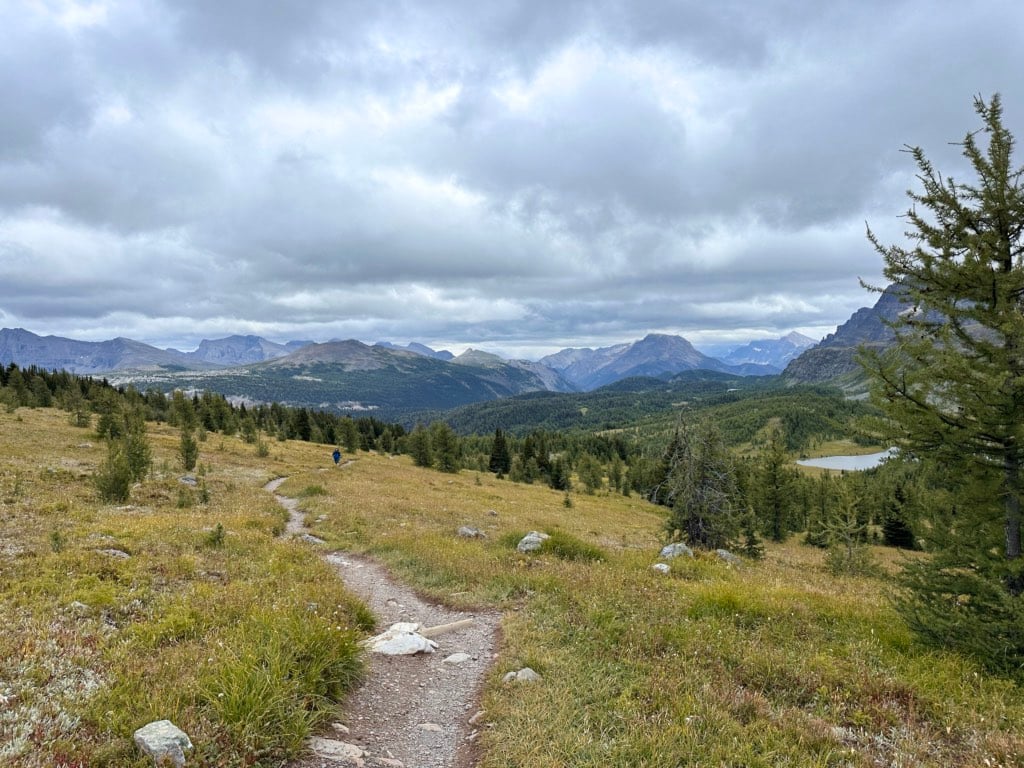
x: 517, y: 176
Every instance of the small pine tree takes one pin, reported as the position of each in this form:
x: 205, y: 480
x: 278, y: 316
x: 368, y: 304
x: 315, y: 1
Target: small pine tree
x: 846, y: 534
x: 113, y: 478
x: 420, y: 447
x: 500, y: 460
x: 188, y: 450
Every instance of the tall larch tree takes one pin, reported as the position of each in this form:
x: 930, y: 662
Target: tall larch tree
x: 953, y: 387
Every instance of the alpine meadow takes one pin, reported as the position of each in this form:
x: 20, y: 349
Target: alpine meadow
x: 668, y: 518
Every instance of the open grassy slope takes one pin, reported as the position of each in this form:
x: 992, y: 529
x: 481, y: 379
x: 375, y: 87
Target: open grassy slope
x: 237, y: 638
x: 210, y: 628
x: 775, y: 663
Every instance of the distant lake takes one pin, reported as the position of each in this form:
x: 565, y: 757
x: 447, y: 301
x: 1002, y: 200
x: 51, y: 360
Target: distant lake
x: 864, y: 461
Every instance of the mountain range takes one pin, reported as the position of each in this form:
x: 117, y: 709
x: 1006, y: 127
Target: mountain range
x: 350, y: 375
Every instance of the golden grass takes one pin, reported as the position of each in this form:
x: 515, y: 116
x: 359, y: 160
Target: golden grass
x: 775, y: 663
x: 95, y: 644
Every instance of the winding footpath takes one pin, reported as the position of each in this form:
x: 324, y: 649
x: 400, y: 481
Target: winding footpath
x: 410, y: 711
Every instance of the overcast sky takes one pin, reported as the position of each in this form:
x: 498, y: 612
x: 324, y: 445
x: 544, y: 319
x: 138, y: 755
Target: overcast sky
x: 513, y: 176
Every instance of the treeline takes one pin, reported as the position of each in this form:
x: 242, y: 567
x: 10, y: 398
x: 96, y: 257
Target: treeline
x: 85, y: 397
x: 764, y: 486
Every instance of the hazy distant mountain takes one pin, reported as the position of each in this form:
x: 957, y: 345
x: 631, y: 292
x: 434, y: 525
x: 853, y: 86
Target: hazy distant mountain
x: 349, y: 376
x: 834, y: 359
x: 654, y: 355
x: 775, y: 353
x: 88, y: 357
x: 238, y: 350
x: 551, y: 379
x: 419, y: 349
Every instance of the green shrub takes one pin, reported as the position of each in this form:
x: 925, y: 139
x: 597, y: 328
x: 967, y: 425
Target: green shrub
x: 566, y: 547
x: 113, y: 478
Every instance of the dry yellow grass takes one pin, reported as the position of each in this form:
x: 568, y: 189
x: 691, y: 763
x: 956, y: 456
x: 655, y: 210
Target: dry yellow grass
x: 772, y: 664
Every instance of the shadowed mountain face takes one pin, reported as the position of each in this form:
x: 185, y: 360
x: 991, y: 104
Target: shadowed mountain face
x: 834, y: 359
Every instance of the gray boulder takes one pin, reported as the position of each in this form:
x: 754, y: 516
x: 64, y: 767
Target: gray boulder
x: 728, y: 557
x: 468, y: 532
x: 532, y: 541
x: 675, y: 550
x: 164, y: 742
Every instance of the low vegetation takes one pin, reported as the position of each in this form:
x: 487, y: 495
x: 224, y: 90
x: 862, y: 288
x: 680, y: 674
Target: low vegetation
x: 119, y: 613
x: 776, y: 662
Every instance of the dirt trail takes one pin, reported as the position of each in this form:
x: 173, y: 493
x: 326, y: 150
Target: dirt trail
x: 411, y: 711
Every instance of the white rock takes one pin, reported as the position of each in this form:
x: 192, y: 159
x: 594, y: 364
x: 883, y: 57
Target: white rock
x: 117, y: 554
x: 336, y: 750
x: 163, y: 741
x: 661, y: 568
x: 401, y: 639
x: 458, y: 658
x: 434, y: 727
x: 524, y: 675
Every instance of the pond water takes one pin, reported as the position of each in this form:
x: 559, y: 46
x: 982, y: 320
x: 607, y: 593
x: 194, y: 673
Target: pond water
x: 854, y: 463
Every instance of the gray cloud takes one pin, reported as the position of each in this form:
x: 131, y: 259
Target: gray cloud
x: 525, y: 175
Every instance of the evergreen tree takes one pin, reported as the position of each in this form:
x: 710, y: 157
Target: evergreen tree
x: 591, y: 473
x: 954, y: 387
x: 446, y: 447
x: 775, y: 482
x: 188, y: 450
x: 702, y: 486
x: 420, y: 447
x: 501, y: 461
x: 846, y: 532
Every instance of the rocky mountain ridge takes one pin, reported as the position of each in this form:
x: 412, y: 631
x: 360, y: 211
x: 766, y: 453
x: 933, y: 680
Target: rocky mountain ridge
x: 834, y: 360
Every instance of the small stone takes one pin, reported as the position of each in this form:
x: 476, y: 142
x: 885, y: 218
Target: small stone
x: 432, y: 727
x: 163, y: 741
x: 661, y: 568
x: 340, y: 728
x: 311, y: 539
x: 492, y: 512
x: 188, y: 480
x: 115, y: 553
x: 524, y: 675
x: 390, y: 762
x: 458, y: 658
x: 468, y: 532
